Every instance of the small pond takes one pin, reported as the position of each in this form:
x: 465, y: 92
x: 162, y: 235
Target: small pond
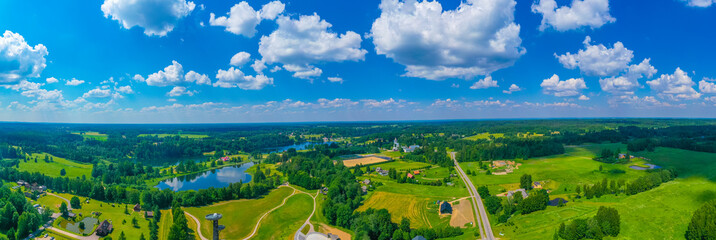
x: 648, y: 166
x: 217, y: 178
x: 90, y: 222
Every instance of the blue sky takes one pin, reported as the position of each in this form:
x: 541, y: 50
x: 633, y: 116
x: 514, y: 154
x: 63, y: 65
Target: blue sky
x: 141, y: 61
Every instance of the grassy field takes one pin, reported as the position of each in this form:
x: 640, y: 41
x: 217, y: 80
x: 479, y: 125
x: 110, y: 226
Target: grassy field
x: 415, y: 208
x: 184, y: 135
x: 115, y: 214
x: 401, y: 165
x: 52, y: 169
x: 484, y: 136
x: 241, y: 215
x: 285, y: 221
x: 92, y: 135
x: 563, y: 171
x: 166, y: 223
x: 686, y: 163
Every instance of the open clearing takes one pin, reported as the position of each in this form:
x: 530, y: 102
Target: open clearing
x: 334, y: 231
x: 686, y: 163
x: 92, y: 135
x: 240, y: 216
x: 486, y: 135
x: 400, y: 205
x: 52, y: 169
x: 462, y: 213
x: 402, y: 165
x: 368, y: 160
x: 283, y: 222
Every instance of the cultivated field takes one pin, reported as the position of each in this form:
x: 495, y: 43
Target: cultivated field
x: 402, y: 165
x: 401, y: 205
x: 462, y: 213
x: 240, y: 216
x: 686, y: 163
x: 52, y: 169
x: 368, y: 160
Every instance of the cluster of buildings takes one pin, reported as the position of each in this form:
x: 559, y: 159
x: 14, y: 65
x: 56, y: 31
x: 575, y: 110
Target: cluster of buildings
x: 408, y: 149
x: 34, y: 190
x: 382, y: 172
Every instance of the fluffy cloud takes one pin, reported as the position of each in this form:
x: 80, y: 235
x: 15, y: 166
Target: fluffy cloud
x: 477, y: 38
x: 598, y: 60
x: 157, y: 17
x: 486, y: 82
x: 74, y: 82
x: 307, y: 40
x: 638, y: 102
x: 180, y: 91
x: 699, y: 3
x: 51, y: 80
x: 335, y: 79
x: 124, y: 89
x: 18, y: 60
x: 372, y: 103
x: 583, y: 98
x: 304, y: 72
x: 242, y: 19
x: 173, y: 75
x: 566, y: 88
x: 240, y: 59
x: 707, y: 86
x: 513, y: 88
x: 233, y: 77
x: 677, y: 86
x: 591, y: 13
x: 629, y: 81
x: 97, y: 93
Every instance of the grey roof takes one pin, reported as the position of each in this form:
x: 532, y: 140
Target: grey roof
x: 419, y: 238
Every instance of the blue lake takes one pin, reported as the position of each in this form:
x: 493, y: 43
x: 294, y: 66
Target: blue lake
x: 301, y: 146
x: 217, y: 178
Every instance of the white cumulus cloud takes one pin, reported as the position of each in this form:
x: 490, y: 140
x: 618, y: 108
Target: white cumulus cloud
x: 240, y: 58
x: 307, y: 40
x: 51, y: 80
x: 486, y: 82
x: 180, y: 91
x: 74, y: 82
x: 97, y: 93
x: 233, y: 77
x: 699, y: 3
x: 335, y: 79
x: 581, y: 13
x: 629, y: 81
x: 157, y: 17
x: 566, y: 88
x: 513, y: 88
x: 173, y: 75
x: 242, y: 19
x: 707, y: 86
x: 477, y: 38
x: 598, y: 60
x: 19, y: 60
x: 677, y: 86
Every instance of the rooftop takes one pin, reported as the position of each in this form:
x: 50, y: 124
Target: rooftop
x: 213, y: 216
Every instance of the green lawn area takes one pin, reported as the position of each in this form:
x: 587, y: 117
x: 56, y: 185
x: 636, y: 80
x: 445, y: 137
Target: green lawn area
x: 240, y: 215
x: 184, y: 135
x: 166, y: 223
x: 660, y: 213
x: 686, y: 163
x: 285, y: 221
x: 484, y: 136
x: 52, y: 169
x: 401, y: 165
x: 92, y: 135
x: 391, y: 154
x: 563, y: 171
x: 115, y: 214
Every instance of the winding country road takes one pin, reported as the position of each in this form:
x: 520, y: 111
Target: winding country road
x: 258, y: 224
x: 484, y: 222
x: 69, y: 206
x: 198, y: 225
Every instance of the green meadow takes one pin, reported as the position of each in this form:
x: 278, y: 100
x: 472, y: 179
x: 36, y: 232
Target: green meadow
x: 240, y: 216
x: 401, y: 165
x: 486, y: 135
x: 52, y: 169
x: 92, y: 135
x: 283, y: 222
x: 184, y: 135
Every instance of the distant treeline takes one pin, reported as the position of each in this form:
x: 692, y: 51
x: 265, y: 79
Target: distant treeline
x: 508, y: 148
x: 694, y: 138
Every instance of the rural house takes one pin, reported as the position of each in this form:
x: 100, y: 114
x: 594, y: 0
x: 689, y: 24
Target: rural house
x: 410, y: 175
x: 104, y: 229
x: 521, y: 190
x: 137, y: 207
x: 445, y: 208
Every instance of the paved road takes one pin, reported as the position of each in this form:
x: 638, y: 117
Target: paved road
x: 198, y: 225
x: 72, y: 235
x: 484, y: 222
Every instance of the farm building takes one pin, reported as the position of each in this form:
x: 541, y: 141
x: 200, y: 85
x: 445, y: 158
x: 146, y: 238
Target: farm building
x: 137, y: 207
x: 149, y: 214
x: 416, y: 172
x: 537, y: 185
x: 419, y: 238
x: 521, y: 190
x: 104, y: 229
x: 410, y: 175
x: 410, y: 148
x: 445, y: 208
x: 364, y: 189
x: 366, y: 181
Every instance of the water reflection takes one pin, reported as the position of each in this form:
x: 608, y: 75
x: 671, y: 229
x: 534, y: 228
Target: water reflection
x: 216, y: 178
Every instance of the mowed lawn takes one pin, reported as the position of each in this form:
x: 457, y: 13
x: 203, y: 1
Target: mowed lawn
x: 52, y: 169
x: 564, y: 171
x: 660, y: 213
x: 240, y: 216
x: 285, y: 221
x: 115, y: 214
